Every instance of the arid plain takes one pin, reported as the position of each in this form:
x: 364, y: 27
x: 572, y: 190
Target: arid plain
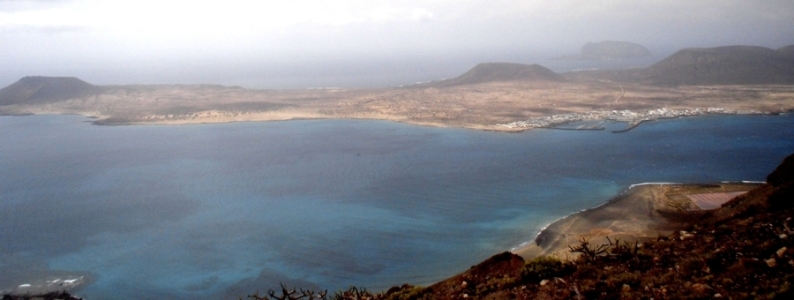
x: 487, y: 106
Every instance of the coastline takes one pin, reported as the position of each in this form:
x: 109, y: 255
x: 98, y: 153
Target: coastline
x: 513, y: 106
x: 641, y: 212
x: 632, y: 119
x: 40, y: 282
x: 570, y: 118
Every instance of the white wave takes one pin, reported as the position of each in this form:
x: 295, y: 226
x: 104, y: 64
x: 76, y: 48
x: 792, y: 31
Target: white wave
x: 651, y: 183
x: 753, y: 182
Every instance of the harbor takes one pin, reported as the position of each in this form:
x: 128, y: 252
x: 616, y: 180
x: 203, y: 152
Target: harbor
x: 631, y: 118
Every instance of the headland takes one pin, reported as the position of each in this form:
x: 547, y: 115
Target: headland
x: 642, y: 212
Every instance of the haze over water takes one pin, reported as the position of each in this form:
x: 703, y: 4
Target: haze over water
x: 204, y: 211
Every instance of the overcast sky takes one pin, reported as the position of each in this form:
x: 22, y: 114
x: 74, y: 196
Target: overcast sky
x: 305, y: 43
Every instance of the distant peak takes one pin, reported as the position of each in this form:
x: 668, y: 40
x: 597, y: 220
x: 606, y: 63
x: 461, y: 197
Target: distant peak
x: 31, y: 79
x: 45, y: 89
x: 503, y: 71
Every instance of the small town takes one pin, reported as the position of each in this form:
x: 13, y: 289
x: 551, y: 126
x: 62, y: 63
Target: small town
x: 632, y: 118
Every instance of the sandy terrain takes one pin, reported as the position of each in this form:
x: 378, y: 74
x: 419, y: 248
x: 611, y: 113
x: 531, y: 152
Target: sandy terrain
x: 642, y: 212
x: 487, y: 106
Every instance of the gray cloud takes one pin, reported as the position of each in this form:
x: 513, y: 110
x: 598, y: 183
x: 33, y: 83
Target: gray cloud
x: 45, y: 30
x: 22, y: 5
x: 308, y: 43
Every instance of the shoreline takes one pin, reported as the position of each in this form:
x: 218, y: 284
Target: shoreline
x: 509, y: 106
x: 43, y: 282
x: 631, y: 124
x: 640, y: 212
x: 633, y: 120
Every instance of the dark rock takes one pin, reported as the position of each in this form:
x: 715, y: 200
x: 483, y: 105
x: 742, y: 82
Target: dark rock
x: 784, y: 173
x: 47, y: 296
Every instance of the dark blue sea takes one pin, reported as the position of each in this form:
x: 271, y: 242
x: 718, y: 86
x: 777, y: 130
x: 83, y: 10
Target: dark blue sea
x: 225, y: 210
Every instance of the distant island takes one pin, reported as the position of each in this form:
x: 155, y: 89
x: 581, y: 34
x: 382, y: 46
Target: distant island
x: 609, y: 50
x: 491, y: 96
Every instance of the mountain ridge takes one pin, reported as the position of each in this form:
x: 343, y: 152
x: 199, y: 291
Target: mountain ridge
x: 737, y: 64
x: 722, y: 65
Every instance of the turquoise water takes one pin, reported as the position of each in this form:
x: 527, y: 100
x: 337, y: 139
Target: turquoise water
x: 221, y: 211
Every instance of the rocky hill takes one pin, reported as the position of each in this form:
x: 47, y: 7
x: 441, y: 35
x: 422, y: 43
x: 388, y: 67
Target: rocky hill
x: 41, y: 89
x: 722, y: 65
x: 491, y: 72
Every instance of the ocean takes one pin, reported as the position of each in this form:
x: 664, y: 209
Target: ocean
x: 220, y: 211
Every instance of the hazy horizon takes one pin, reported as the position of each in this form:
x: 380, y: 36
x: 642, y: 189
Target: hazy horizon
x: 313, y: 43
